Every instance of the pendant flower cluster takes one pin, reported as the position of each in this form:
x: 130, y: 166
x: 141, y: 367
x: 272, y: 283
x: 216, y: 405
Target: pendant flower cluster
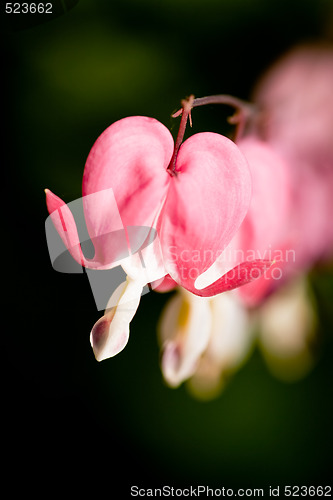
x: 193, y: 195
x: 287, y: 140
x: 231, y: 226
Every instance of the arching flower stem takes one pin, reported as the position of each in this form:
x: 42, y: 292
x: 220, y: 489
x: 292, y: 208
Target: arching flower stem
x: 244, y: 110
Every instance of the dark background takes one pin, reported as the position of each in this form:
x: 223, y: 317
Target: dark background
x: 114, y: 424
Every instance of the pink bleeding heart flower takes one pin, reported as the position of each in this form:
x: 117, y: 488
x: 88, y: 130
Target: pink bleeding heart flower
x: 294, y: 98
x: 262, y: 232
x: 295, y: 118
x: 204, y: 201
x: 195, y: 194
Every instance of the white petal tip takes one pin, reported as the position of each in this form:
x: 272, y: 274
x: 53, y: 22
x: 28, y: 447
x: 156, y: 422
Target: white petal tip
x: 107, y: 341
x: 175, y: 367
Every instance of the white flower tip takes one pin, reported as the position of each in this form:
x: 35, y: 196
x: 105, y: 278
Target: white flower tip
x: 176, y: 367
x: 110, y: 333
x: 171, y: 360
x: 105, y: 342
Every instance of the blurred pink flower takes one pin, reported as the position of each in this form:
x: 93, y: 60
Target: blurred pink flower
x: 295, y: 118
x: 294, y: 123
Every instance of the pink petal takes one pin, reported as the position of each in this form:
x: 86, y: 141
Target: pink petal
x: 131, y: 157
x: 124, y: 185
x: 296, y: 96
x: 207, y: 201
x: 64, y: 223
x: 165, y: 284
x: 107, y: 232
x: 262, y: 233
x: 268, y: 213
x: 242, y: 274
x: 254, y: 293
x: 110, y: 248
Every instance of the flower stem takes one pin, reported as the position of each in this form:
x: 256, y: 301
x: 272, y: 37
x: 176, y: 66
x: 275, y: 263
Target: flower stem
x: 243, y: 109
x: 187, y: 105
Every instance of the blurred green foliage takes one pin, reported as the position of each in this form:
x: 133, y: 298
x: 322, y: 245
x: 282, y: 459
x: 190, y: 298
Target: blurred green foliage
x: 65, y: 81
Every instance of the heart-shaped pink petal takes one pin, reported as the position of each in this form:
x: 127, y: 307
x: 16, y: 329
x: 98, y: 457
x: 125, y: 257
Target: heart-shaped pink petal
x: 206, y: 203
x: 131, y: 157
